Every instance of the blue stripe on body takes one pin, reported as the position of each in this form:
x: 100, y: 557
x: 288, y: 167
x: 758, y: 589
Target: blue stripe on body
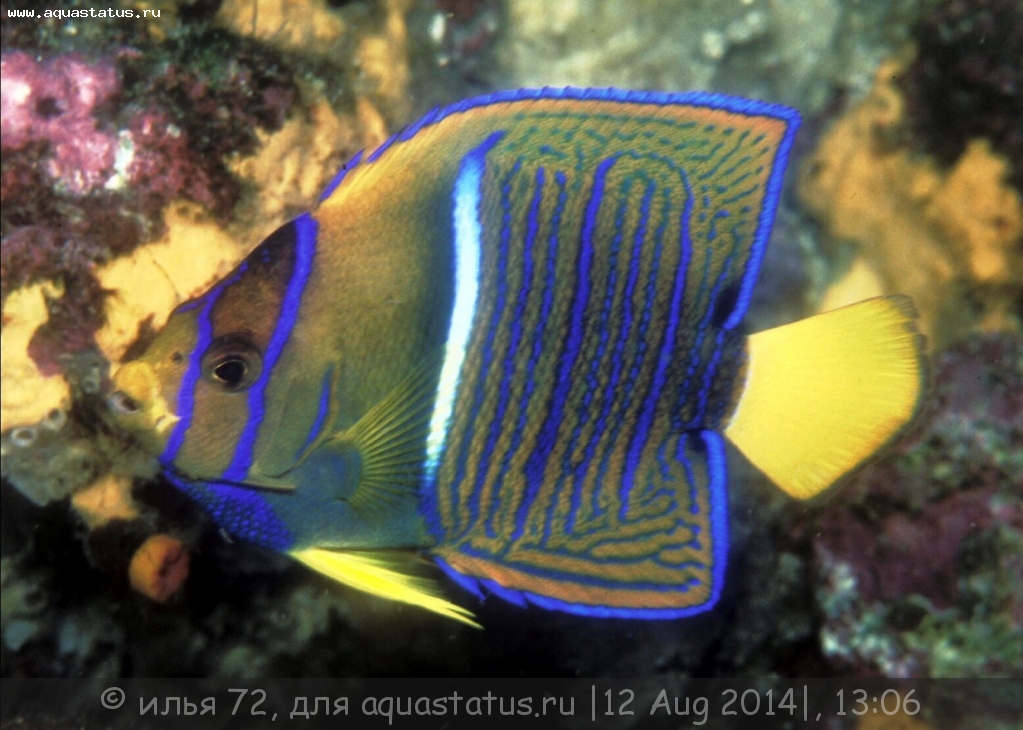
x: 537, y: 461
x: 710, y: 371
x: 466, y: 196
x: 204, y: 337
x: 635, y: 263
x: 696, y: 349
x: 708, y: 377
x: 487, y: 359
x: 696, y: 358
x: 532, y: 230
x: 695, y: 355
x: 305, y: 250
x: 717, y: 468
x: 694, y: 506
x: 667, y: 347
x: 593, y: 383
x: 540, y: 331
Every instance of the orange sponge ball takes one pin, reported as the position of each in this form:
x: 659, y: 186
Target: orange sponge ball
x: 159, y: 567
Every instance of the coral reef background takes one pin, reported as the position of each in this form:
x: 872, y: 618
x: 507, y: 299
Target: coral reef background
x: 143, y: 157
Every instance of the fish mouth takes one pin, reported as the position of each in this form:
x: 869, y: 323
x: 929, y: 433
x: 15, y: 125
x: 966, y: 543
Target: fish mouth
x: 138, y: 401
x: 165, y: 421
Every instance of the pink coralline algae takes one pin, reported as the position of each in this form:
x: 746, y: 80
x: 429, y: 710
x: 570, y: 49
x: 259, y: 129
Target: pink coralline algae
x: 92, y: 155
x: 162, y: 166
x: 55, y: 101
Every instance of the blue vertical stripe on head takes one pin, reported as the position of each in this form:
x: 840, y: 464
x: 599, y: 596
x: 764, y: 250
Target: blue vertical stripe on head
x: 466, y: 197
x: 305, y: 249
x: 203, y: 338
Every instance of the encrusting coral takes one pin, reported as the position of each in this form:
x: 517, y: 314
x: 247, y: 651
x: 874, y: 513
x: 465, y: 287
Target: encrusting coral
x: 29, y: 395
x: 143, y: 287
x: 937, y: 235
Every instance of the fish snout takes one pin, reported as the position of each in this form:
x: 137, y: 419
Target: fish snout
x: 137, y: 401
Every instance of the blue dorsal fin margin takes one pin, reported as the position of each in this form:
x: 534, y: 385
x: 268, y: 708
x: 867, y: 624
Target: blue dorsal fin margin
x: 723, y: 102
x: 340, y: 175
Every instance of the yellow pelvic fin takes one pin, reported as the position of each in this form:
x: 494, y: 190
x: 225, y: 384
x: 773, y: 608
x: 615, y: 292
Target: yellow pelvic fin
x: 383, y: 574
x: 825, y: 393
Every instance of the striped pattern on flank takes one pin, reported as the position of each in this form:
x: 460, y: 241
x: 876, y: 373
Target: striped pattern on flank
x: 581, y: 465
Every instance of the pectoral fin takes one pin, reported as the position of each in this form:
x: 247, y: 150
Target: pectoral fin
x: 390, y: 441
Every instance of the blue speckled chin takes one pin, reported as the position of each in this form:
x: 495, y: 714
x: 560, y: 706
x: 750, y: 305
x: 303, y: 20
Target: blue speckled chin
x: 242, y: 511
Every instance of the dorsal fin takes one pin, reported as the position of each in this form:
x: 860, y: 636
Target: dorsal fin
x: 825, y: 393
x: 384, y: 574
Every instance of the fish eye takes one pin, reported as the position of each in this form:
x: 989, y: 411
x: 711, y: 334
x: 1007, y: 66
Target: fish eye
x: 232, y: 363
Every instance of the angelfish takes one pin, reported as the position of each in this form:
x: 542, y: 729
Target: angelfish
x: 509, y: 338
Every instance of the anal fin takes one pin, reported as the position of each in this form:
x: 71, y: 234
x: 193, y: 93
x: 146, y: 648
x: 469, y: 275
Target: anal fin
x: 652, y: 545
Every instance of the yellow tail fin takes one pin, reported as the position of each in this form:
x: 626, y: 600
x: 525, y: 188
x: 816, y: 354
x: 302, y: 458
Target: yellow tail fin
x: 825, y: 393
x: 375, y: 572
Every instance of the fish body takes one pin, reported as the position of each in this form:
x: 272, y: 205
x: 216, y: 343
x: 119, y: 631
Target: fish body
x: 511, y: 337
